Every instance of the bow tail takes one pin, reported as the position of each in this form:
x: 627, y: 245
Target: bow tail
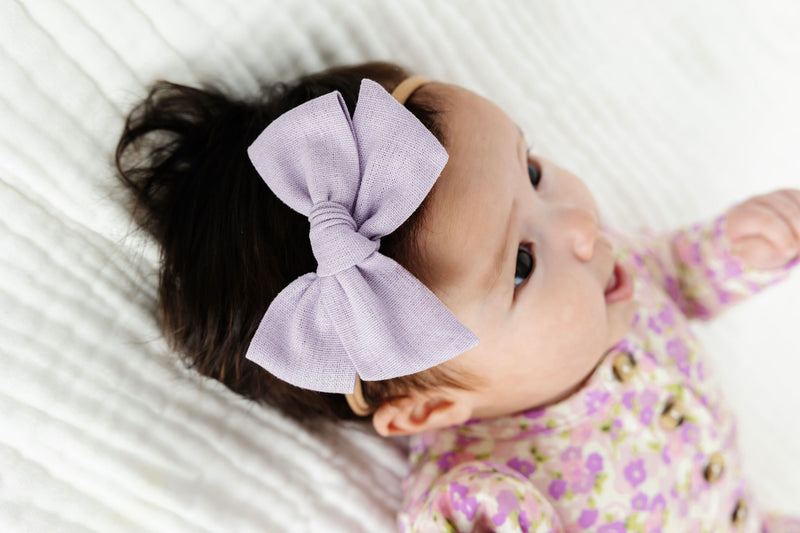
x: 387, y: 309
x: 297, y: 343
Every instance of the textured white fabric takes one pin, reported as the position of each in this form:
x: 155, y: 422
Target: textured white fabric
x: 670, y: 112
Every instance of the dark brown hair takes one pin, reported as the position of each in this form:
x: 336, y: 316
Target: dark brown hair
x: 228, y: 244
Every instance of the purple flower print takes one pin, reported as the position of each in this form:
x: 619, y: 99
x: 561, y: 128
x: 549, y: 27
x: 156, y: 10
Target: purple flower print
x: 557, y: 488
x: 614, y: 527
x: 595, y: 400
x: 665, y: 455
x: 534, y: 430
x: 506, y: 502
x: 581, y: 434
x: 639, y: 502
x: 658, y: 503
x: 616, y: 429
x: 684, y: 367
x: 594, y: 463
x: 673, y: 289
x: 635, y: 473
x: 695, y: 257
x: 653, y: 325
x: 571, y: 453
x: 678, y: 350
x: 648, y: 398
x: 446, y: 461
x: 587, y: 518
x: 463, y: 440
x: 690, y: 433
x: 646, y: 416
x: 536, y: 413
x: 581, y: 481
x: 525, y: 522
x: 723, y: 297
x: 458, y: 500
x: 576, y: 476
x: 666, y: 316
x: 624, y: 345
x: 627, y: 399
x: 733, y: 267
x: 523, y: 467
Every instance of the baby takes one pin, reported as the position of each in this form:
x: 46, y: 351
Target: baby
x: 410, y: 263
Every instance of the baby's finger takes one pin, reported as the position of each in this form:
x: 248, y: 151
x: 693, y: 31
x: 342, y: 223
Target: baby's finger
x: 789, y: 210
x: 793, y: 195
x: 757, y: 218
x: 758, y: 252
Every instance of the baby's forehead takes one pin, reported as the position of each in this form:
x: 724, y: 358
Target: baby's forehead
x: 459, y: 102
x: 469, y: 208
x: 473, y: 124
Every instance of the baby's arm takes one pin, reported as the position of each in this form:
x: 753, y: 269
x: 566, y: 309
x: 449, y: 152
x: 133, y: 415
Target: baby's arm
x: 711, y: 266
x: 482, y: 496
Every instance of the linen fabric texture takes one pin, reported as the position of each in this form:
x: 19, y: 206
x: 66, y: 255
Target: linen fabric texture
x: 361, y: 313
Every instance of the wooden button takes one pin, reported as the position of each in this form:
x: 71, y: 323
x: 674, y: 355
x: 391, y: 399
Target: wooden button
x: 714, y: 468
x: 673, y: 414
x: 624, y: 367
x: 739, y: 514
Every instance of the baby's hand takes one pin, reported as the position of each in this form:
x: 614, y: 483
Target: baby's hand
x: 765, y: 230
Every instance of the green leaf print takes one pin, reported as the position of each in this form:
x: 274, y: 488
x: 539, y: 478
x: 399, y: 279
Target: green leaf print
x: 451, y: 527
x: 598, y: 482
x: 539, y: 457
x: 632, y: 525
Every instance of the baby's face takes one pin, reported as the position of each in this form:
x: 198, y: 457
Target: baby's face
x: 543, y: 329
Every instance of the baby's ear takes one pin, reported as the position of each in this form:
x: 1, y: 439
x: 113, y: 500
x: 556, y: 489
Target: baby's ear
x: 417, y: 413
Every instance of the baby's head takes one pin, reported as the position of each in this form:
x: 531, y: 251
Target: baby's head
x: 509, y: 243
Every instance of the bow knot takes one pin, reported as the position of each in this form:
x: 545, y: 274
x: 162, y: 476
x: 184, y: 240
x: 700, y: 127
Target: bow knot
x: 335, y: 241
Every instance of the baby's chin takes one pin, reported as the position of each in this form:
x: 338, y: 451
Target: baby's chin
x: 620, y: 318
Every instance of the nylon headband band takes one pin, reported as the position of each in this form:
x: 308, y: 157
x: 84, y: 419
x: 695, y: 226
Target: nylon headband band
x: 401, y: 93
x: 406, y: 87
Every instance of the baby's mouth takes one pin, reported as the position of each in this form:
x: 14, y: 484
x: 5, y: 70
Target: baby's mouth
x: 619, y: 286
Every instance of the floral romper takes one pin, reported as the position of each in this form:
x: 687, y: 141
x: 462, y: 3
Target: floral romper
x: 646, y: 444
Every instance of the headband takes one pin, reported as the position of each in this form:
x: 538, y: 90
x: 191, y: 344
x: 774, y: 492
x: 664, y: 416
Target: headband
x: 361, y: 313
x: 400, y: 93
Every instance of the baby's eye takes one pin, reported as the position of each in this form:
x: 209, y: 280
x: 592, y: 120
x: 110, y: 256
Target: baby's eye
x: 534, y: 172
x: 525, y: 264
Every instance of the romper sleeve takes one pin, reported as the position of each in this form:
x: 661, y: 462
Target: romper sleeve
x: 482, y: 496
x: 695, y: 267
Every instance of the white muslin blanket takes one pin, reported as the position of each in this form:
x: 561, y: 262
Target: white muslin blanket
x: 671, y: 113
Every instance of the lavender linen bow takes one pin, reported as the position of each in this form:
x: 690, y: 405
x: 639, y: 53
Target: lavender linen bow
x: 358, y: 180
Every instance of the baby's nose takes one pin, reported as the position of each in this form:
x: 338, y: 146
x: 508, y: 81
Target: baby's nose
x: 584, y: 227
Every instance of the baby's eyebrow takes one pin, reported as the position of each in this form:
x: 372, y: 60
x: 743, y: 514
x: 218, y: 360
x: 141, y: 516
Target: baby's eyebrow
x: 503, y: 251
